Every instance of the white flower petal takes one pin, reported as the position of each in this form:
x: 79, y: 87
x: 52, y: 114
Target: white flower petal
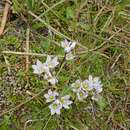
x: 87, y: 86
x: 53, y: 111
x: 67, y: 97
x: 65, y: 101
x: 38, y: 68
x: 39, y: 63
x: 51, y: 62
x: 73, y: 45
x: 53, y: 80
x: 68, y: 46
x: 58, y: 111
x: 76, y: 87
x: 49, y: 92
x: 46, y: 95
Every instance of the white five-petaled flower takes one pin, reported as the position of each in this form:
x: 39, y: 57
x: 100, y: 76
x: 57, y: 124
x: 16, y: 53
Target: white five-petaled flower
x: 55, y: 107
x: 51, y: 96
x: 76, y: 87
x: 81, y: 89
x: 68, y: 45
x: 94, y: 83
x: 39, y: 68
x: 51, y: 62
x: 86, y: 86
x: 82, y: 95
x: 65, y: 101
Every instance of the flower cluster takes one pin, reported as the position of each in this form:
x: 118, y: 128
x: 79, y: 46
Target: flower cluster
x: 57, y: 103
x: 47, y: 69
x: 51, y: 62
x: 90, y: 85
x: 68, y: 47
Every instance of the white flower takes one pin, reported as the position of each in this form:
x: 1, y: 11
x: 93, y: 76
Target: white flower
x: 55, y: 107
x: 94, y: 83
x: 68, y: 45
x: 39, y: 68
x: 97, y: 85
x: 82, y: 95
x: 51, y: 62
x: 69, y: 56
x: 86, y: 86
x: 65, y: 101
x: 51, y: 96
x: 76, y: 87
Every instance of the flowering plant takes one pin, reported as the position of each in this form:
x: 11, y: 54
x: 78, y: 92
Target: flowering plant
x: 81, y: 88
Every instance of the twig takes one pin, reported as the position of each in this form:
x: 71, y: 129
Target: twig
x: 29, y: 54
x: 7, y: 64
x: 115, y: 61
x: 4, y: 18
x: 27, y: 50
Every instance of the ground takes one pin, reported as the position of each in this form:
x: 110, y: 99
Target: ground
x: 101, y: 29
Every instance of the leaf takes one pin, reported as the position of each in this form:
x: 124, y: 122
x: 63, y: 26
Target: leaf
x: 30, y: 4
x: 69, y: 12
x: 45, y: 44
x: 102, y: 103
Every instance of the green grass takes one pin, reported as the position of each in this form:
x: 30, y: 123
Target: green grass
x: 101, y: 29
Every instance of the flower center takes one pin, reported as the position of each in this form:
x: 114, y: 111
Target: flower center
x: 77, y: 86
x: 81, y: 94
x: 85, y: 86
x: 51, y: 97
x: 62, y: 101
x: 54, y: 106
